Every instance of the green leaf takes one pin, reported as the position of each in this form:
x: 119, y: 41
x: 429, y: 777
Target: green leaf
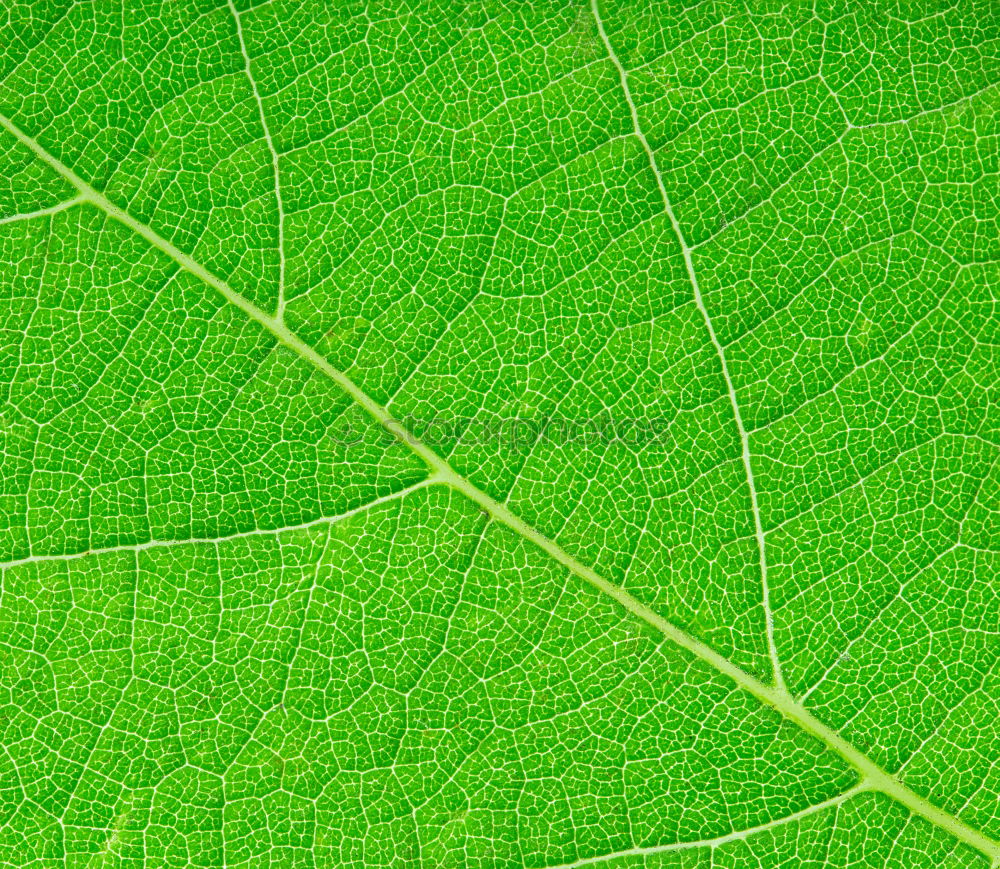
x: 503, y: 435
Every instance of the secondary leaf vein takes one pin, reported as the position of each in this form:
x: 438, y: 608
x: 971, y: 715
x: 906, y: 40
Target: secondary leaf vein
x: 699, y: 301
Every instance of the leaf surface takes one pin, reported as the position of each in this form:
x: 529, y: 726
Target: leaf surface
x: 539, y: 435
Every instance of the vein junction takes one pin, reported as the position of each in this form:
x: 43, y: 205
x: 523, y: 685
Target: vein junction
x: 871, y: 776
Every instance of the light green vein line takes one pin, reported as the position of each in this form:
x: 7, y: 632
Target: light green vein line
x: 280, y: 311
x: 42, y: 212
x: 237, y: 535
x: 720, y: 352
x: 718, y: 840
x: 870, y: 773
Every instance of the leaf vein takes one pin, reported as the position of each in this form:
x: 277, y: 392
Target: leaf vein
x: 869, y: 772
x: 719, y: 349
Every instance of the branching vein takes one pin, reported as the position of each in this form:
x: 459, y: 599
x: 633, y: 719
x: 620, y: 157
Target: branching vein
x: 699, y: 301
x: 42, y: 212
x: 274, y: 161
x: 719, y: 840
x: 255, y: 532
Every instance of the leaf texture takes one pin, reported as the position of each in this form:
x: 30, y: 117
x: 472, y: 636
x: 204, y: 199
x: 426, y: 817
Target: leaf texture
x: 547, y: 434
